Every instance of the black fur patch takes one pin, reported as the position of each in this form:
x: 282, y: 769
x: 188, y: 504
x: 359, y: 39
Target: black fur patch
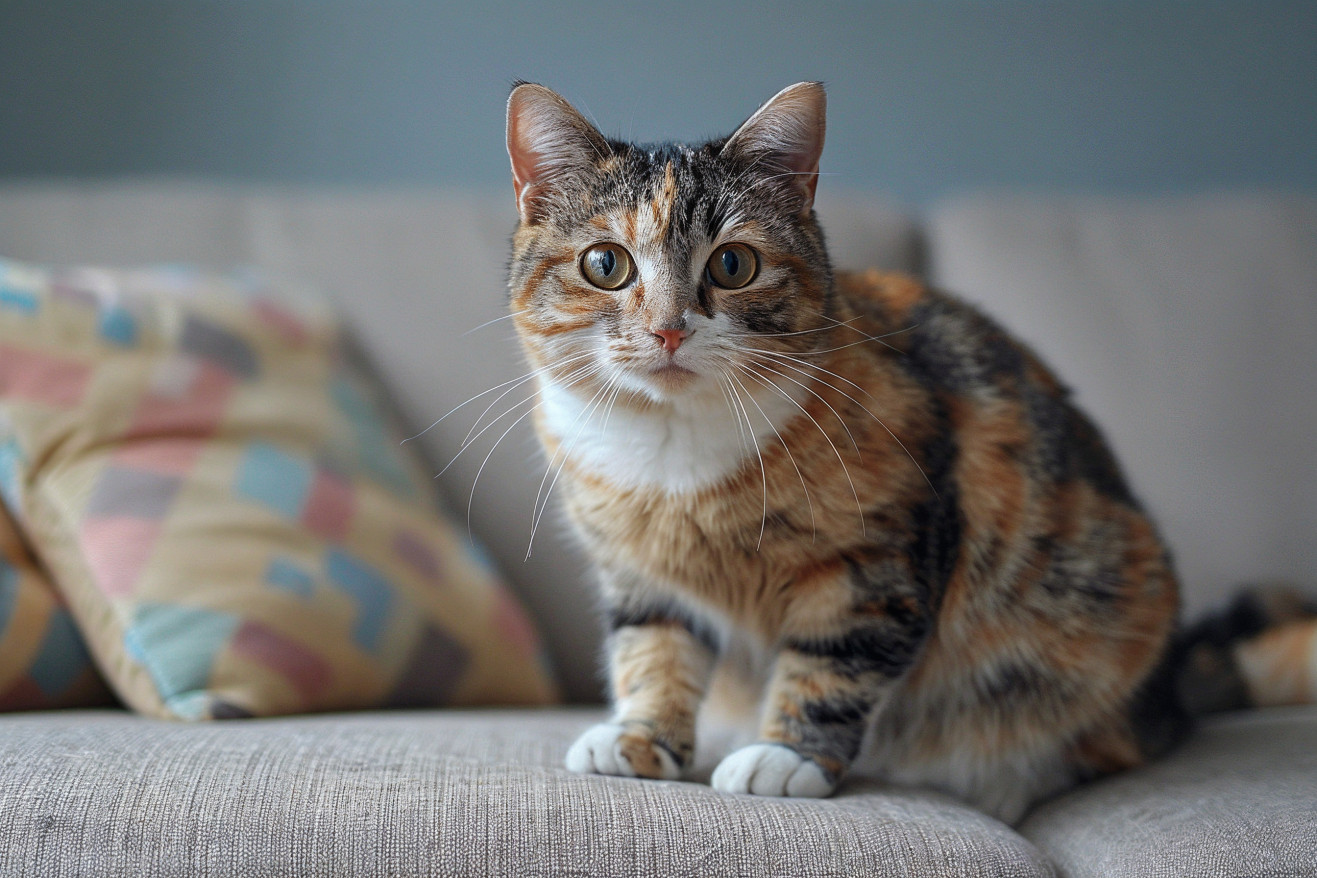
x: 935, y: 522
x: 1157, y: 714
x: 884, y: 646
x: 1068, y: 446
x: 637, y: 614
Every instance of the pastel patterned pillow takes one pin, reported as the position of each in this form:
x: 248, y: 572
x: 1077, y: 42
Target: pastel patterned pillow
x: 43, y: 661
x: 212, y: 483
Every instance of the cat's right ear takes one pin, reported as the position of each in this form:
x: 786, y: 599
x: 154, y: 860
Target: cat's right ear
x: 785, y: 135
x: 549, y: 143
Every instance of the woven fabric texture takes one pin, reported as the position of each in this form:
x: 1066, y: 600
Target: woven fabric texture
x: 1239, y: 799
x: 433, y: 794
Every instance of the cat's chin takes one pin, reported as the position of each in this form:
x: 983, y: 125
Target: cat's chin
x: 666, y: 383
x: 670, y: 375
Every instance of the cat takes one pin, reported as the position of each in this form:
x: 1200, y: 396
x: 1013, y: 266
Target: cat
x: 865, y: 485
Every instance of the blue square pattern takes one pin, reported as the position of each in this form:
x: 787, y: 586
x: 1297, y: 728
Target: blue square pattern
x: 377, y: 454
x: 118, y: 325
x: 178, y: 644
x: 372, y: 592
x: 11, y: 473
x: 14, y: 297
x: 17, y: 300
x: 275, y: 479
x: 284, y: 575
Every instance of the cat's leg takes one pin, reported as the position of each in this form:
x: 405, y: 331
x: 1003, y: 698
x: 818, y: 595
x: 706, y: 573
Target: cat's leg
x: 842, y: 652
x: 659, y: 664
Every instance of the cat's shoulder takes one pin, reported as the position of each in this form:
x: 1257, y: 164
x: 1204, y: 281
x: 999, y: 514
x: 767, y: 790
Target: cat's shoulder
x: 948, y: 343
x: 893, y: 291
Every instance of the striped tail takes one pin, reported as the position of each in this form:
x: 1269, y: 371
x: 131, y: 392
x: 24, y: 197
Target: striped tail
x: 1261, y: 651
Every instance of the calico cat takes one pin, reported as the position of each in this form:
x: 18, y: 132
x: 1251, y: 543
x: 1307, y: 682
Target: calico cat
x: 865, y: 485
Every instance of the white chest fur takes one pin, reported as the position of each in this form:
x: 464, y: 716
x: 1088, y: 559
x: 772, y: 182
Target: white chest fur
x: 689, y: 444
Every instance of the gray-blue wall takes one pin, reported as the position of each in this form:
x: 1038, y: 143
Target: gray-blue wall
x: 927, y: 96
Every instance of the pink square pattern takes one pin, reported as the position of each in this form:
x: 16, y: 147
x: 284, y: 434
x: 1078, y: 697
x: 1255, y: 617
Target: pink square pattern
x: 117, y: 550
x: 329, y: 506
x: 43, y: 378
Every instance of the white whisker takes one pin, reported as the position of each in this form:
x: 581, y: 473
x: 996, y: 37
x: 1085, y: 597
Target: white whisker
x: 863, y: 408
x: 763, y: 472
x: 495, y: 320
x: 521, y: 379
x: 583, y: 370
x: 845, y: 470
x: 845, y: 324
x: 791, y: 457
x: 536, y: 373
x: 859, y: 456
x: 538, y: 509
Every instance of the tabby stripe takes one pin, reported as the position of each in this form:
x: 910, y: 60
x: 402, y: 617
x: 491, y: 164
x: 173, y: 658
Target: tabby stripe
x: 648, y: 614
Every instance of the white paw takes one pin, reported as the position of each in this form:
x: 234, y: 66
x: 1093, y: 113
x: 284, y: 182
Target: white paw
x: 771, y: 770
x: 609, y: 748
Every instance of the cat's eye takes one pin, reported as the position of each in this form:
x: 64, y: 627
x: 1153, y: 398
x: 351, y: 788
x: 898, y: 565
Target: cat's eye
x: 732, y: 266
x: 607, y: 266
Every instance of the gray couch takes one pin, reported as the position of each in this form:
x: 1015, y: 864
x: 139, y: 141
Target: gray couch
x: 1187, y: 325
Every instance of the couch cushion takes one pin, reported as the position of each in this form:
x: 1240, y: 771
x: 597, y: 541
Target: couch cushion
x: 213, y: 485
x: 1240, y: 798
x: 1188, y: 328
x: 418, y: 272
x: 443, y: 794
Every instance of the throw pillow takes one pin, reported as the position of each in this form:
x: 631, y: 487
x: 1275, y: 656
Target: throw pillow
x: 210, y: 478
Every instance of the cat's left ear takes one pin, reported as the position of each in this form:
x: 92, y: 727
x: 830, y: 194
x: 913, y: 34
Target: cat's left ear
x: 549, y: 144
x: 786, y: 134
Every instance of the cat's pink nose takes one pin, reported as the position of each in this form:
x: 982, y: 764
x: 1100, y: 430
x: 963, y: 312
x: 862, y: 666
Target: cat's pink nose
x: 671, y: 338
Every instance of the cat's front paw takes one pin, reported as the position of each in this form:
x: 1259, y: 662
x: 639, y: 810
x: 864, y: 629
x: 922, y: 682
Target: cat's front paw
x: 771, y: 770
x: 625, y: 751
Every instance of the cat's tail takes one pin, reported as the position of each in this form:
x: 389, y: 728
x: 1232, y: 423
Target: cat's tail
x: 1261, y: 651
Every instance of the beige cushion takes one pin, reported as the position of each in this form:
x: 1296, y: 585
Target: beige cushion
x: 213, y: 485
x: 434, y: 794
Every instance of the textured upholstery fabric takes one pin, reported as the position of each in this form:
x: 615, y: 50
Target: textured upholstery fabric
x: 416, y: 272
x: 442, y: 794
x: 1188, y: 328
x: 1239, y: 799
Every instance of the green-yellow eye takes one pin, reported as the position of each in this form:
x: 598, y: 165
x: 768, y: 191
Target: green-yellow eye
x: 607, y: 266
x: 732, y: 266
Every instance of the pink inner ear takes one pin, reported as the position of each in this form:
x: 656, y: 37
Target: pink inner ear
x: 525, y: 160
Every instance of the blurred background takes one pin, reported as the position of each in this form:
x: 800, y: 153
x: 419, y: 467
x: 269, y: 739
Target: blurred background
x: 926, y: 97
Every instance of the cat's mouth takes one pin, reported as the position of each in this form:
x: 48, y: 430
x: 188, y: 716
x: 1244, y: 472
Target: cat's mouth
x: 670, y: 376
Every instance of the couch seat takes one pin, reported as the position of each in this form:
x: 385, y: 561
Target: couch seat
x: 432, y: 793
x: 1239, y: 799
x: 458, y: 793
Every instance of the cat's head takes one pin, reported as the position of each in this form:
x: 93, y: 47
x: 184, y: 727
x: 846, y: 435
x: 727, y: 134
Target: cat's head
x: 671, y: 270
